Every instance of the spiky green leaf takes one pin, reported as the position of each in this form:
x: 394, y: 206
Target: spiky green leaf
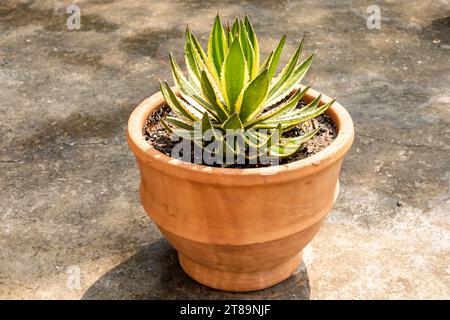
x: 287, y: 70
x: 303, y: 138
x: 165, y: 125
x: 255, y: 46
x: 306, y: 109
x: 289, y: 122
x: 213, y: 98
x: 247, y: 48
x: 254, y: 96
x: 176, y: 104
x: 266, y: 63
x: 198, y: 48
x: 282, y: 109
x: 190, y: 94
x: 233, y: 122
x: 235, y: 28
x: 284, y: 150
x: 276, y: 57
x: 234, y: 76
x: 180, y: 123
x: 217, y: 45
x: 292, y: 82
x: 191, y: 64
x: 206, y: 123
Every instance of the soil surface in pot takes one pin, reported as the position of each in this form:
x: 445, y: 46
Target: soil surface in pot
x: 158, y: 137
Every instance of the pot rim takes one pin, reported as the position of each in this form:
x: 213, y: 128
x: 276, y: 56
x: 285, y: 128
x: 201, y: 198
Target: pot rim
x: 147, y: 153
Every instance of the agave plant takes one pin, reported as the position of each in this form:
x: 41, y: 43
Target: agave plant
x: 227, y: 88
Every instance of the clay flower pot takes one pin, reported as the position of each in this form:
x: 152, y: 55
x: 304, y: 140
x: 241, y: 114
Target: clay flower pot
x: 239, y: 229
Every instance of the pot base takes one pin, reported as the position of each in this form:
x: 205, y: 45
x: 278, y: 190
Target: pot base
x: 239, y: 281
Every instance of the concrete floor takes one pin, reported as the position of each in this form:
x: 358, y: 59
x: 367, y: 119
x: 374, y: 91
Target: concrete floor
x: 69, y: 186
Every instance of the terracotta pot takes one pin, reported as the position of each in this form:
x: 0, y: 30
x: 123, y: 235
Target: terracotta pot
x: 239, y: 229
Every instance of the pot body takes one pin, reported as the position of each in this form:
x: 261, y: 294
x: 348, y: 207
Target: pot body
x: 239, y: 229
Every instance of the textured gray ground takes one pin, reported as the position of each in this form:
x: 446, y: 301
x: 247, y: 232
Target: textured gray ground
x: 69, y: 185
